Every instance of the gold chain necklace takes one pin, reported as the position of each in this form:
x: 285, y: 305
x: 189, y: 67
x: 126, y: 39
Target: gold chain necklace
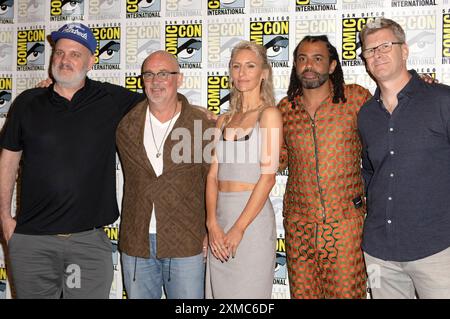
x: 158, y: 149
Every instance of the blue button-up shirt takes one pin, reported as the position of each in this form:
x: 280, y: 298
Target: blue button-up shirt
x: 406, y: 168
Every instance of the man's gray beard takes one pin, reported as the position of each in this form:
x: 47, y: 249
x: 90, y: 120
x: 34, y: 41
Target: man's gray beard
x: 314, y: 84
x: 71, y: 82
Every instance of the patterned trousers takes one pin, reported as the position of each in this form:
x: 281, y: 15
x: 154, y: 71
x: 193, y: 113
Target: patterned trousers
x: 325, y: 260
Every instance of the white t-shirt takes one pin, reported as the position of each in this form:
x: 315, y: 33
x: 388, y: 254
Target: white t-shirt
x: 159, y: 129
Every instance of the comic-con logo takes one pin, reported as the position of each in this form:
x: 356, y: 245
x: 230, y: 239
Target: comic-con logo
x: 428, y: 71
x: 269, y: 6
x: 141, y: 40
x: 6, y: 40
x: 30, y: 10
x: 143, y: 8
x: 280, y: 263
x: 222, y: 37
x: 133, y: 82
x: 420, y: 35
x: 317, y: 24
x: 107, y: 54
x: 280, y: 83
x: 3, y: 278
x: 62, y: 10
x: 444, y: 76
x: 191, y: 87
x: 112, y: 77
x: 274, y: 36
x: 30, y: 49
x: 446, y: 38
x: 185, y: 42
x: 358, y: 4
x: 218, y: 89
x: 113, y: 235
x: 217, y: 7
x: 315, y: 5
x: 182, y: 8
x: 26, y: 80
x: 403, y: 3
x: 361, y: 77
x: 351, y: 44
x: 6, y: 11
x: 5, y: 94
x: 104, y: 9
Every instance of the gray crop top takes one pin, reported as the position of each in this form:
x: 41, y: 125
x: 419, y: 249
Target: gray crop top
x: 239, y: 160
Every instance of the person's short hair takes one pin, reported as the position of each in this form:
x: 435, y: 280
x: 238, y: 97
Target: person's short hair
x: 382, y: 23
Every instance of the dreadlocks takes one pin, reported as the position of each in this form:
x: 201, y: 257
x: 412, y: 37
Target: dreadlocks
x: 337, y: 77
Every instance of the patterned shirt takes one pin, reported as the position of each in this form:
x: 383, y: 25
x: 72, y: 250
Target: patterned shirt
x: 323, y: 155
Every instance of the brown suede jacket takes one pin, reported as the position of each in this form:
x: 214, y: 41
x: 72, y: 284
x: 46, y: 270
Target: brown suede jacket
x: 178, y: 194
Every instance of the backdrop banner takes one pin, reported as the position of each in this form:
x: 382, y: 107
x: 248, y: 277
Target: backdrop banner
x: 201, y: 35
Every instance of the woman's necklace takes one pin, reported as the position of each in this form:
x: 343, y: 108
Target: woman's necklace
x: 243, y: 114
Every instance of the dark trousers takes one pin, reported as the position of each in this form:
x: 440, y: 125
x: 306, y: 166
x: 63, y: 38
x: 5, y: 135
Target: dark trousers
x: 70, y: 266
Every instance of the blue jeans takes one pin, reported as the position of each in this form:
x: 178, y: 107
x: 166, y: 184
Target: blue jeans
x: 181, y: 278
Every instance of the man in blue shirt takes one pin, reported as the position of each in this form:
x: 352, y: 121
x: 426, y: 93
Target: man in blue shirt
x: 405, y: 131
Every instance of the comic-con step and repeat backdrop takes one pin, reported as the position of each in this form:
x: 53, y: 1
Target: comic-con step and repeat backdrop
x: 201, y: 33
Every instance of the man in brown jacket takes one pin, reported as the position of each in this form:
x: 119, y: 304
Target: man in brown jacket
x: 162, y: 233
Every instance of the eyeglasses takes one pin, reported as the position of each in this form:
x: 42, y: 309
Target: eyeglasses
x: 162, y: 75
x: 382, y: 48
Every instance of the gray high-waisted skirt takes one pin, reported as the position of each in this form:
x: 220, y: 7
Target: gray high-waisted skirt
x: 250, y: 273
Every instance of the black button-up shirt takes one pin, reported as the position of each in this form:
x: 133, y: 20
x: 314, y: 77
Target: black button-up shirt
x: 406, y: 168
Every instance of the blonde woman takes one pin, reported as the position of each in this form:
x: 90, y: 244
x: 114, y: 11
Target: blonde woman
x: 240, y: 217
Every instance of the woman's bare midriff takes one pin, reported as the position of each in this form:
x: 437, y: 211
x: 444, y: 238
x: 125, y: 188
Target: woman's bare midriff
x: 231, y: 186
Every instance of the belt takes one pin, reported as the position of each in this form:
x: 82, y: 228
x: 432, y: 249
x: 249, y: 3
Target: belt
x: 66, y: 235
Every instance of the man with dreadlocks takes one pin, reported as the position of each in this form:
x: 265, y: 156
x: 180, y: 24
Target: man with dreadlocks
x: 323, y: 204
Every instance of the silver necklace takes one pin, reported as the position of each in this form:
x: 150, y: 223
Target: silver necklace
x: 158, y: 149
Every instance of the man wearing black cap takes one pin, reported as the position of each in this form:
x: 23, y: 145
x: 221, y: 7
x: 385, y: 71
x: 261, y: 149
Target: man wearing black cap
x: 65, y: 137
